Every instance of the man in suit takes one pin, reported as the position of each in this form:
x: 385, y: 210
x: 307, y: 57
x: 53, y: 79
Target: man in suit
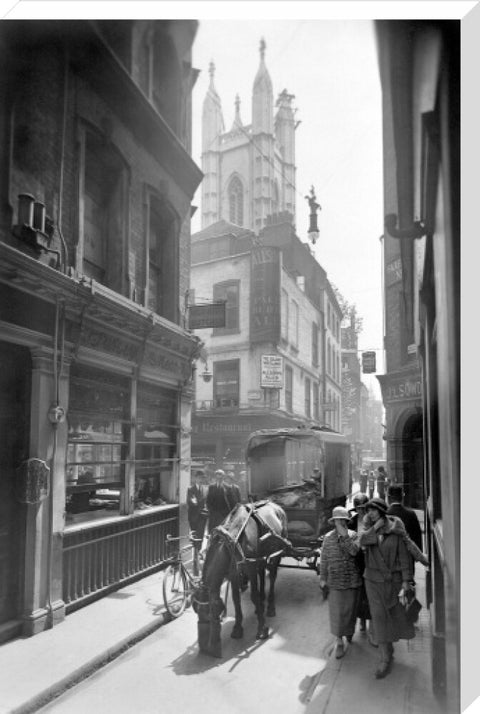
x: 408, y: 515
x: 234, y: 494
x: 219, y: 501
x: 196, y: 498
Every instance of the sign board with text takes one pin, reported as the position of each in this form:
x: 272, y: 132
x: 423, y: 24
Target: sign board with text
x: 271, y: 372
x: 208, y: 315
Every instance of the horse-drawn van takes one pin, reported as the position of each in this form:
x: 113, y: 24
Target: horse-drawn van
x: 307, y: 471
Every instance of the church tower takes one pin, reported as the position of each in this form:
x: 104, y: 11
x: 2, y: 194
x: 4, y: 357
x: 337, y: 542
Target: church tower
x: 212, y: 129
x: 250, y: 169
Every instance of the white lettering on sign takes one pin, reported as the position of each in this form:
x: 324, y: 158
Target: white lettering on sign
x: 394, y: 271
x: 408, y: 389
x: 272, y: 372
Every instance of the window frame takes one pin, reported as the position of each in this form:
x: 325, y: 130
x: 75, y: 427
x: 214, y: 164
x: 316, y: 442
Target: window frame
x: 235, y: 398
x: 229, y: 309
x: 289, y: 389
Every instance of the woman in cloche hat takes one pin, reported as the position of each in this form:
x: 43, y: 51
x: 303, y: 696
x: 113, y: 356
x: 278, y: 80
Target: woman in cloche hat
x: 388, y: 569
x: 339, y: 572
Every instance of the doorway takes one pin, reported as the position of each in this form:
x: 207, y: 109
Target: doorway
x: 14, y: 429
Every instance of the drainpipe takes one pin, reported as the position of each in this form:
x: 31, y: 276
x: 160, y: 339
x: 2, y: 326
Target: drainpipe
x: 62, y: 161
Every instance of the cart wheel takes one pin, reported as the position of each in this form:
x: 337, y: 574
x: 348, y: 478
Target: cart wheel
x: 174, y: 590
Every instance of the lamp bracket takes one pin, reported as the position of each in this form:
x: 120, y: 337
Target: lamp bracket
x: 417, y: 230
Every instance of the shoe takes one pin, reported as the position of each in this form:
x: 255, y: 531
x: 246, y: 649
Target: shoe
x: 349, y: 638
x: 382, y: 670
x: 339, y: 650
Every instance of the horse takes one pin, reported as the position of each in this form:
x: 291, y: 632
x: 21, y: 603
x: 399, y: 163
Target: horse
x: 250, y: 540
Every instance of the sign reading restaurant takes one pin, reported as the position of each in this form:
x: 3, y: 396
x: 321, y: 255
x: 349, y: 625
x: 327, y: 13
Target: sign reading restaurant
x: 272, y: 372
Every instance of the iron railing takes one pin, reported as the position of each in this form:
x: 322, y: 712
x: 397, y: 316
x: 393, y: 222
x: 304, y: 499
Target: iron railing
x: 101, y: 558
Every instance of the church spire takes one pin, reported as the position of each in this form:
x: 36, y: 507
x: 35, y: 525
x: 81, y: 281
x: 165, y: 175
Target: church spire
x: 237, y: 122
x: 212, y: 116
x: 262, y: 100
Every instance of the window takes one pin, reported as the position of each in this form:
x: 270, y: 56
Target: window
x: 315, y: 396
x: 329, y: 357
x: 99, y: 471
x: 159, y: 75
x: 284, y: 315
x: 103, y: 203
x: 314, y: 344
x: 229, y: 291
x: 294, y: 330
x: 98, y: 426
x: 155, y: 446
x: 288, y: 389
x: 308, y: 409
x: 235, y: 201
x: 161, y: 292
x: 226, y: 383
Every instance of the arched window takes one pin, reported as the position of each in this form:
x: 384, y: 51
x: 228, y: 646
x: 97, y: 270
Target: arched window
x: 235, y: 200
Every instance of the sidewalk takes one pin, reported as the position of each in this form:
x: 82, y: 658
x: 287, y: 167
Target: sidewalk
x: 37, y: 669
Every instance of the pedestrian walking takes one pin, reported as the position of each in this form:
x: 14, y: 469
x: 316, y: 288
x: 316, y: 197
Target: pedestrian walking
x: 371, y: 484
x: 406, y: 514
x: 356, y: 524
x: 219, y: 502
x: 388, y: 570
x: 381, y: 482
x: 363, y: 481
x: 196, y: 513
x: 340, y: 574
x: 233, y: 490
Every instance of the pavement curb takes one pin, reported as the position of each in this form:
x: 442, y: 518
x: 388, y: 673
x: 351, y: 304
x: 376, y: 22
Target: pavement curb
x: 90, y: 667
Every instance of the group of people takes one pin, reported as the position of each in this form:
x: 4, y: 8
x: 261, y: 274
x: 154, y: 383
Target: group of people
x: 210, y: 503
x: 368, y: 481
x: 366, y: 561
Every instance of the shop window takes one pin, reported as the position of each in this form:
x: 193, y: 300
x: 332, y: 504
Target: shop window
x: 155, y: 447
x: 226, y: 383
x: 161, y: 292
x: 230, y: 292
x: 98, y: 427
x: 288, y: 389
x: 103, y: 211
x: 235, y: 201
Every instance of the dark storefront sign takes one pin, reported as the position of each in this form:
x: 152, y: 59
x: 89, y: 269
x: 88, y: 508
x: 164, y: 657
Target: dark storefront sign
x: 208, y: 315
x: 369, y: 362
x: 265, y: 295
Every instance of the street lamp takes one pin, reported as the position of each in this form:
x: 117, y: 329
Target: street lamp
x: 206, y: 374
x: 313, y: 232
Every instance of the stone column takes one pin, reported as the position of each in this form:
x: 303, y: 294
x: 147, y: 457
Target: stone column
x: 42, y: 589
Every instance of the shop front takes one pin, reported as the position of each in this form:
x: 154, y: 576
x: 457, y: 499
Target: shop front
x: 402, y: 397
x: 99, y: 392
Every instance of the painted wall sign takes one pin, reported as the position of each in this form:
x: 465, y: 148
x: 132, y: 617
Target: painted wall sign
x: 271, y: 372
x: 265, y: 295
x: 405, y: 389
x: 393, y: 271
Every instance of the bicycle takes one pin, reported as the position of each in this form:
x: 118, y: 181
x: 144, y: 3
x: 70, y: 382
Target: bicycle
x: 178, y: 583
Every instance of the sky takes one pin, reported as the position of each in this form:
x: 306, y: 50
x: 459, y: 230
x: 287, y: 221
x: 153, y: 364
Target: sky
x: 331, y: 68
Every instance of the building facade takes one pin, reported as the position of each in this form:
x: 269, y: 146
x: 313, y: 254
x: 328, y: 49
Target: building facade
x: 250, y: 169
x: 277, y: 360
x: 95, y: 202
x: 420, y: 74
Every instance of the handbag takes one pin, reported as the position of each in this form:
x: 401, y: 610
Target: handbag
x: 404, y: 628
x: 412, y: 607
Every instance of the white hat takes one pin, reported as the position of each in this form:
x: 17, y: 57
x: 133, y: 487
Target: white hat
x: 339, y: 513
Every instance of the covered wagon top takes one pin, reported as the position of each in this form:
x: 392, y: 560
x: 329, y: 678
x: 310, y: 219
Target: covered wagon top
x: 320, y: 435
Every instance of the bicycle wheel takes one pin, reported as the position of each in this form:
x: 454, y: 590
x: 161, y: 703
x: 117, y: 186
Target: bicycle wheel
x: 174, y: 590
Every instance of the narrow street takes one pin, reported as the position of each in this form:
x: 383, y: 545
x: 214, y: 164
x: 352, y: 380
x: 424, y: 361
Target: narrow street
x: 166, y: 673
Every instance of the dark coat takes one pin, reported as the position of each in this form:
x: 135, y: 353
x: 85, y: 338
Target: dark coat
x: 196, y: 498
x: 219, y: 503
x: 410, y: 521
